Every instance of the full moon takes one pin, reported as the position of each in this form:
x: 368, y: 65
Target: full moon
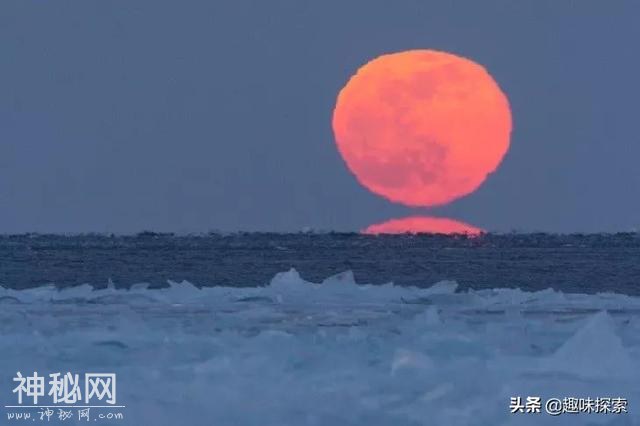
x: 422, y: 127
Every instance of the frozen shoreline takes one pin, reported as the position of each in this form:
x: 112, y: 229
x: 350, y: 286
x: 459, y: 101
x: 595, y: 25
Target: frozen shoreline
x: 295, y: 352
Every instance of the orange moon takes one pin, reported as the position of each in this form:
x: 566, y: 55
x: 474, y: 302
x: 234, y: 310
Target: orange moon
x: 423, y: 224
x: 422, y: 127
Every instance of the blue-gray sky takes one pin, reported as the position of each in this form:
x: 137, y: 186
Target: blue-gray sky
x: 121, y: 116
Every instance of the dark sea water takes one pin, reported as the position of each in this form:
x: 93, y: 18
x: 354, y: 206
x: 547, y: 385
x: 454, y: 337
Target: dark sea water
x: 570, y: 263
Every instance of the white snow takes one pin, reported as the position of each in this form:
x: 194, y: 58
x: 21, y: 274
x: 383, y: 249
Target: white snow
x: 334, y: 353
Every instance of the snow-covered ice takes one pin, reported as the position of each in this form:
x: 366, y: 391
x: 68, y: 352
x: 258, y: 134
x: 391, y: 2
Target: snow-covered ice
x: 332, y: 353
